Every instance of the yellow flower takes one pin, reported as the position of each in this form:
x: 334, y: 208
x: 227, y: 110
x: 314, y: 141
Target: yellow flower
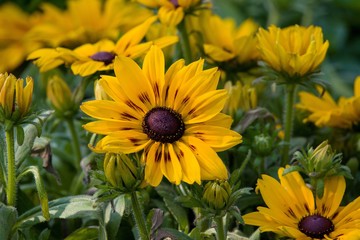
x: 172, y: 12
x: 90, y: 58
x: 87, y: 21
x: 295, y: 51
x: 174, y: 117
x: 15, y: 99
x: 223, y: 41
x: 241, y: 96
x: 60, y: 96
x: 293, y: 211
x: 326, y: 112
x: 15, y: 42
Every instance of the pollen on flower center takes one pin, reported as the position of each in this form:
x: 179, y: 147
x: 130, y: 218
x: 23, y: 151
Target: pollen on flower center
x: 316, y: 226
x: 163, y: 124
x: 102, y: 56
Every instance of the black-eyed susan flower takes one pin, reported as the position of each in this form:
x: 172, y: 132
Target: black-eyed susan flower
x: 324, y: 111
x: 172, y: 12
x: 173, y: 118
x: 293, y: 211
x: 224, y: 41
x: 87, y: 21
x: 15, y: 98
x: 294, y: 51
x: 91, y: 58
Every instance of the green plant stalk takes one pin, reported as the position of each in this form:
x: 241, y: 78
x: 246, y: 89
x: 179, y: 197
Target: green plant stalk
x: 288, y: 120
x: 11, y: 168
x: 220, y: 230
x: 139, y: 217
x: 184, y: 42
x: 76, y: 144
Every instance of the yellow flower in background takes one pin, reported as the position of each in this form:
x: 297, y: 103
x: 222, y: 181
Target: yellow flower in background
x: 296, y: 50
x: 87, y: 21
x: 293, y: 211
x: 60, y: 96
x: 173, y: 118
x: 241, y: 96
x: 15, y: 98
x: 91, y: 58
x: 223, y: 41
x: 15, y: 41
x: 173, y: 12
x: 324, y: 111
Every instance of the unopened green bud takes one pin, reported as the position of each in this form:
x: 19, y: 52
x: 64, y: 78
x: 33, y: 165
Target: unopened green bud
x: 217, y: 193
x: 123, y: 172
x: 262, y: 145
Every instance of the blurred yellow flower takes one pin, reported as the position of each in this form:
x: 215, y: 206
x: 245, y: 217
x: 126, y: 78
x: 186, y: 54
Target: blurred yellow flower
x: 293, y: 210
x: 223, y: 41
x: 172, y: 12
x: 324, y: 111
x: 295, y: 51
x: 241, y: 96
x: 15, y: 40
x: 15, y: 98
x: 173, y: 118
x: 90, y: 58
x: 87, y: 21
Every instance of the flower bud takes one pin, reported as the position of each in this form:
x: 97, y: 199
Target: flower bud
x: 217, y: 193
x: 99, y: 92
x: 60, y: 96
x: 123, y: 172
x: 15, y: 99
x: 263, y: 144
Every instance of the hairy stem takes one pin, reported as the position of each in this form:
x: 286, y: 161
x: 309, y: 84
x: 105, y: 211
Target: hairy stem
x: 11, y: 168
x: 139, y: 217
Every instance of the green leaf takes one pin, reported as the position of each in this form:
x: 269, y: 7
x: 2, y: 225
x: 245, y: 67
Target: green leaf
x: 64, y: 208
x: 8, y: 216
x: 292, y: 169
x: 19, y: 135
x: 30, y: 132
x: 174, y: 234
x: 113, y: 216
x: 255, y: 235
x: 179, y: 213
x: 234, y: 211
x: 87, y: 233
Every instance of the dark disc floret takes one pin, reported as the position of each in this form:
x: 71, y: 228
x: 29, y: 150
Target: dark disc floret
x: 315, y: 226
x: 175, y: 3
x: 163, y: 124
x: 103, y: 56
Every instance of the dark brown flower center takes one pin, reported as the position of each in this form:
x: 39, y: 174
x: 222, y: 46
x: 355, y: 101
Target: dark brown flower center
x: 102, y: 56
x: 175, y: 2
x: 163, y: 124
x: 315, y: 226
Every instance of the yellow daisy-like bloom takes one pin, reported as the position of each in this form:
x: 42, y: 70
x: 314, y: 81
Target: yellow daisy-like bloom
x: 15, y: 99
x: 296, y: 51
x: 15, y: 42
x: 326, y: 112
x: 223, y: 41
x: 90, y: 58
x: 172, y: 12
x: 87, y: 21
x: 241, y: 96
x: 293, y: 211
x: 174, y: 117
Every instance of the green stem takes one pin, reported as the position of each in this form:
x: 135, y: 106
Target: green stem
x: 75, y: 143
x: 139, y: 217
x: 220, y: 230
x: 288, y: 120
x: 11, y: 168
x: 184, y: 42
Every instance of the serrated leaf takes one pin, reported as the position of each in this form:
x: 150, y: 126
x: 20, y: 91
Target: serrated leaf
x: 64, y: 208
x: 8, y: 216
x: 87, y: 233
